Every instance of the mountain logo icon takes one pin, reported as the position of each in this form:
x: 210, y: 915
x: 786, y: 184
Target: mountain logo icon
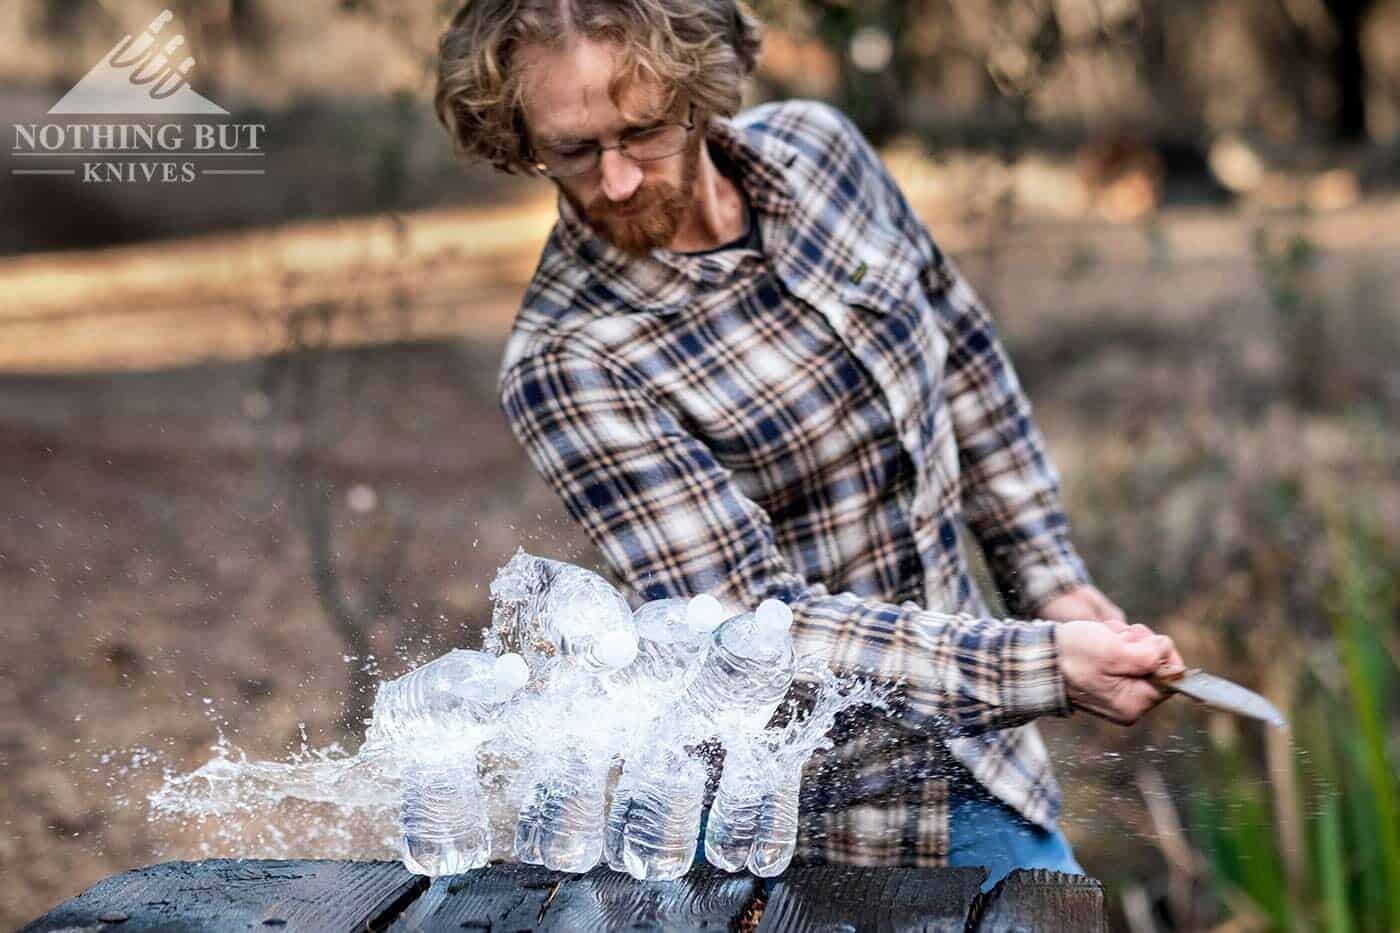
x: 139, y: 75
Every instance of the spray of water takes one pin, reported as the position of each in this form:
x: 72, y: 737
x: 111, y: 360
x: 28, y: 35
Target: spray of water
x: 591, y: 695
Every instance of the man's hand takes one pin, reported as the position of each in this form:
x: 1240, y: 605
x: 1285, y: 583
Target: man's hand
x: 1082, y: 602
x: 1106, y: 668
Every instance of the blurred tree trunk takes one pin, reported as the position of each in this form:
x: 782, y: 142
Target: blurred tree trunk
x: 61, y: 17
x: 1349, y: 67
x: 874, y: 100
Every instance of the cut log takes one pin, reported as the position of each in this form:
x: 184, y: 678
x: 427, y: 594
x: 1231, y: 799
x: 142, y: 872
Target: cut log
x: 241, y: 894
x: 526, y: 897
x: 1031, y: 900
x: 839, y: 897
x: 331, y: 897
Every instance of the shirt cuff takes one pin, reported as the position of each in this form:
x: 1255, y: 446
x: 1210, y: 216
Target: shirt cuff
x: 1032, y: 681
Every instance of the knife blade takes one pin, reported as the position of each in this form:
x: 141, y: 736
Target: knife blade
x: 1219, y: 693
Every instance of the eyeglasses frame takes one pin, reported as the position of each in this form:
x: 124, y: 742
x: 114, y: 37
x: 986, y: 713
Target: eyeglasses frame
x: 620, y: 145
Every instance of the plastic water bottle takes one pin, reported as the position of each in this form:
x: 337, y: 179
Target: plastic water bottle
x: 443, y: 818
x: 561, y: 823
x: 748, y: 669
x: 655, y: 816
x: 674, y: 635
x: 729, y: 831
x: 459, y: 686
x: 547, y: 608
x: 753, y: 820
x: 684, y: 623
x: 775, y: 830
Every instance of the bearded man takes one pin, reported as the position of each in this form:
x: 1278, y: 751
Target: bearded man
x: 747, y: 369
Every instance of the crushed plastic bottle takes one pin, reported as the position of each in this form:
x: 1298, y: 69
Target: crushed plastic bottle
x: 748, y: 669
x: 458, y: 687
x: 443, y: 819
x: 655, y: 816
x: 432, y: 717
x: 561, y: 823
x: 674, y: 635
x: 733, y: 819
x: 546, y: 608
x: 753, y: 820
x: 775, y: 829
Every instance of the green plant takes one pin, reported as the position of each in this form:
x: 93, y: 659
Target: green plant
x: 1343, y: 722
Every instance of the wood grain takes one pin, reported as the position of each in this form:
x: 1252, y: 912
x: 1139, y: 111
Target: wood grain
x: 880, y: 900
x: 1025, y: 900
x: 241, y: 894
x: 527, y: 897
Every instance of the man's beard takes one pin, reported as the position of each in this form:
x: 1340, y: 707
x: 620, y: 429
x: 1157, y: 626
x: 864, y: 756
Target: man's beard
x: 662, y: 208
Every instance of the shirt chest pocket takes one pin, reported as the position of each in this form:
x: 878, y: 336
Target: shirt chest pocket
x: 895, y: 330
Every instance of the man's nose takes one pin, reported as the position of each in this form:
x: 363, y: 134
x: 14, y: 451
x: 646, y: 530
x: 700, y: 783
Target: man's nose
x: 621, y: 175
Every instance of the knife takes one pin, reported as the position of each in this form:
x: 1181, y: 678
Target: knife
x: 1222, y: 694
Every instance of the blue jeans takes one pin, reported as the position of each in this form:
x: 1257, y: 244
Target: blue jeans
x: 981, y: 831
x: 984, y: 831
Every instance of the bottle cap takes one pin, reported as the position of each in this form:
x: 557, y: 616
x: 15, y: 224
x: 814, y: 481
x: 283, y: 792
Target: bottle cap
x: 616, y: 649
x: 774, y: 615
x: 704, y: 613
x: 511, y: 673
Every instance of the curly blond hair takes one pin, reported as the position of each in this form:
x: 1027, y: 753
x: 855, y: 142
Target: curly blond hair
x: 706, y: 47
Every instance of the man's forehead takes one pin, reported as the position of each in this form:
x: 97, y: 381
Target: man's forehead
x: 566, y: 96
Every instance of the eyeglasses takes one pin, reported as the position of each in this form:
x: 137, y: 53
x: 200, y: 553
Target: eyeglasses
x: 645, y: 145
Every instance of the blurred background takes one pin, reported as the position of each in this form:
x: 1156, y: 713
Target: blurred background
x: 251, y: 458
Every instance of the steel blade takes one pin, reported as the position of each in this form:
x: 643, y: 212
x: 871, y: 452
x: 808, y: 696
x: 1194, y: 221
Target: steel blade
x: 1222, y: 694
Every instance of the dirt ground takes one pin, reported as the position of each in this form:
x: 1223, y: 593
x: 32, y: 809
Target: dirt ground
x: 203, y: 546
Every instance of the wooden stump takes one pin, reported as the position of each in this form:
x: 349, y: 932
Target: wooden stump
x: 527, y: 897
x: 338, y: 897
x: 241, y: 894
x: 833, y: 897
x: 1040, y: 900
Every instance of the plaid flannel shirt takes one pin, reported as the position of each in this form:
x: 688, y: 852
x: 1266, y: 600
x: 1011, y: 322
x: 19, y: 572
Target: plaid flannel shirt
x: 812, y: 421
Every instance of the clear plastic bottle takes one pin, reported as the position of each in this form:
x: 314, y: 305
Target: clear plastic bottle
x: 548, y: 608
x: 673, y: 636
x: 459, y: 686
x: 753, y: 820
x: 729, y: 831
x: 561, y: 822
x: 775, y: 829
x: 443, y: 818
x: 748, y: 669
x: 655, y: 816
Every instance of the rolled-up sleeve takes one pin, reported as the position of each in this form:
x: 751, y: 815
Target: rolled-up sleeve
x: 670, y: 521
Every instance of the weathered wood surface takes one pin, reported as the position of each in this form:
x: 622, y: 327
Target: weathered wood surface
x: 1022, y: 901
x: 526, y: 897
x: 838, y: 897
x: 241, y: 894
x: 330, y: 897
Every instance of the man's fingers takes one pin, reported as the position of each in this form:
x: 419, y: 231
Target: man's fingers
x: 1138, y: 699
x: 1133, y: 699
x: 1174, y: 661
x: 1144, y: 657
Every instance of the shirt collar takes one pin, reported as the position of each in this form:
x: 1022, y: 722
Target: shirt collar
x: 664, y: 277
